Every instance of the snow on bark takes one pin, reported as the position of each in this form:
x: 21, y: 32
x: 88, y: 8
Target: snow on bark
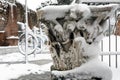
x: 87, y: 71
x: 13, y: 37
x: 11, y: 12
x: 75, y: 32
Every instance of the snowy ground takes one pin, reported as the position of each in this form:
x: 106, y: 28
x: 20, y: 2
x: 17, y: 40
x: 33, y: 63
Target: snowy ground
x: 112, y: 47
x: 11, y: 71
x: 12, y: 65
x: 15, y: 70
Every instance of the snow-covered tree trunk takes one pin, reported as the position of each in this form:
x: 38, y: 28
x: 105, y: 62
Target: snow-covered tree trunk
x: 66, y: 55
x: 75, y: 32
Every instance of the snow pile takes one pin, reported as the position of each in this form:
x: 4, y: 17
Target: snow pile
x: 34, y: 4
x: 90, y: 43
x: 31, y: 4
x: 87, y: 71
x: 92, y: 50
x: 93, y: 67
x: 60, y: 10
x: 17, y: 57
x: 112, y: 46
x: 21, y: 25
x: 3, y: 19
x: 101, y: 1
x: 13, y: 37
x: 116, y: 73
x: 16, y: 70
x: 81, y: 9
x: 8, y: 70
x: 2, y: 31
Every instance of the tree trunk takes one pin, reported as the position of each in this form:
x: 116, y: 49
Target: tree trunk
x: 66, y: 60
x: 74, y: 38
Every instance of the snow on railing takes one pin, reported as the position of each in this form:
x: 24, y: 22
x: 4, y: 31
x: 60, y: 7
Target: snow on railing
x: 110, y: 53
x: 101, y: 1
x: 110, y: 46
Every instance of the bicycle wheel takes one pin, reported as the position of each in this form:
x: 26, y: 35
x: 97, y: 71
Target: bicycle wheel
x: 32, y: 44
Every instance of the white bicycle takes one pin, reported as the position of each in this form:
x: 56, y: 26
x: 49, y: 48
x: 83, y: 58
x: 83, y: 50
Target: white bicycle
x: 36, y: 43
x: 32, y: 43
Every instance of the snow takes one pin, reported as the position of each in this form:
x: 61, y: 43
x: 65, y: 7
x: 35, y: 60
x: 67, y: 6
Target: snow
x: 100, y: 1
x: 89, y: 50
x: 19, y: 57
x: 92, y: 67
x: 1, y: 9
x: 99, y: 67
x: 116, y: 73
x: 3, y: 18
x: 16, y: 70
x: 92, y: 50
x: 10, y: 71
x: 34, y: 4
x: 59, y: 11
x: 112, y: 47
x: 84, y: 9
x: 88, y: 68
x: 22, y: 25
x: 112, y: 42
x: 13, y: 37
x: 2, y: 31
x: 12, y: 16
x: 13, y: 71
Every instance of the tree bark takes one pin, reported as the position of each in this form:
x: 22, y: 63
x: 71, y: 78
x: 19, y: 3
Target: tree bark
x: 70, y: 36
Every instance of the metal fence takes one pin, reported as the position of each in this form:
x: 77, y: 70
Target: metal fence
x: 110, y: 46
x: 111, y: 56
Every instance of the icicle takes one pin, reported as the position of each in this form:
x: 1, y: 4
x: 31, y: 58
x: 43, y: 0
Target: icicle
x: 11, y: 5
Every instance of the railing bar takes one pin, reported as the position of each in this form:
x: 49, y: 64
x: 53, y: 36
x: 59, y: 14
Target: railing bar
x: 116, y: 54
x: 102, y: 49
x: 110, y: 53
x: 116, y: 57
x: 109, y: 45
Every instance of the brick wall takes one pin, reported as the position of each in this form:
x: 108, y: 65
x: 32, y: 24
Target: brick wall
x: 11, y: 28
x: 8, y: 22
